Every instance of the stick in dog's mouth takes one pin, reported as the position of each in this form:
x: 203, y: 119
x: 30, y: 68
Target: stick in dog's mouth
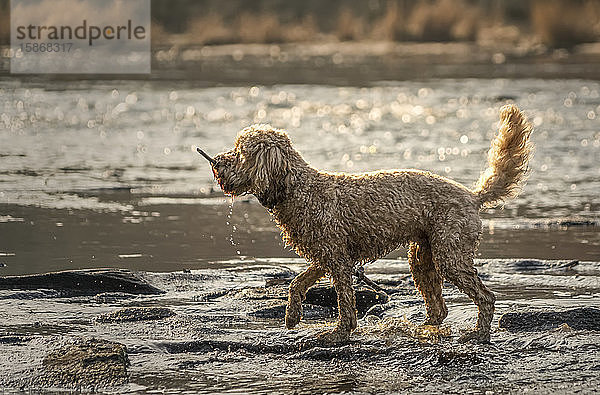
x: 205, y: 155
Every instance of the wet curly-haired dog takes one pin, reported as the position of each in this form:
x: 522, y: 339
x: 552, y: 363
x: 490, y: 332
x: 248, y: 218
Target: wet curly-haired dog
x: 337, y: 221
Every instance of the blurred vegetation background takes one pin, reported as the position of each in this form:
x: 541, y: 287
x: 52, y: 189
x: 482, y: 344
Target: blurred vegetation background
x: 553, y: 23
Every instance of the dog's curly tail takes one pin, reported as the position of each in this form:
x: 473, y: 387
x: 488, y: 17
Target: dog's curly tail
x: 507, y: 159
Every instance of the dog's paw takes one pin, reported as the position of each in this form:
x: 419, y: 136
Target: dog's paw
x: 292, y: 317
x: 475, y: 335
x: 332, y: 337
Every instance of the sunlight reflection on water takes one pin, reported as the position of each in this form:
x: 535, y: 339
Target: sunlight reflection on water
x: 94, y: 135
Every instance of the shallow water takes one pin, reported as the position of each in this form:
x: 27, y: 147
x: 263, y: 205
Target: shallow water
x: 175, y: 235
x: 105, y: 173
x: 219, y: 342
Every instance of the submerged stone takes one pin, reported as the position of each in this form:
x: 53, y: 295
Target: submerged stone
x: 320, y: 302
x: 128, y: 314
x: 282, y: 345
x: 584, y: 318
x: 13, y: 338
x: 533, y: 265
x: 87, y: 364
x: 577, y: 222
x: 326, y: 296
x: 82, y: 282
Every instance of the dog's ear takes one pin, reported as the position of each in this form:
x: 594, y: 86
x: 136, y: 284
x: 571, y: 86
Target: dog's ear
x: 270, y: 168
x: 266, y: 156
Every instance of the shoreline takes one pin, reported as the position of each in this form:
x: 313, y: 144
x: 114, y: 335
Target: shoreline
x: 360, y: 63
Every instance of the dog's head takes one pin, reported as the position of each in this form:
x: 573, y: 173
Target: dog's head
x: 259, y: 163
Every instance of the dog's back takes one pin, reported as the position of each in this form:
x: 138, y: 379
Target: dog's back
x: 375, y: 213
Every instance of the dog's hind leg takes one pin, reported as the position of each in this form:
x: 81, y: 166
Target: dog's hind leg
x: 346, y: 301
x: 297, y: 294
x: 428, y: 281
x: 457, y: 267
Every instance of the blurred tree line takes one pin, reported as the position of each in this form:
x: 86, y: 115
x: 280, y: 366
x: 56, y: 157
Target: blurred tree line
x: 556, y: 23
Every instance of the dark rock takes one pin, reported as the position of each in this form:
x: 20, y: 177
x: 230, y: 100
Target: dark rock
x: 566, y: 223
x: 503, y: 98
x: 326, y: 296
x: 10, y: 338
x: 269, y: 282
x: 529, y: 264
x: 128, y: 314
x: 586, y: 318
x: 269, y: 312
x: 87, y: 363
x: 532, y: 264
x: 82, y: 282
x: 577, y: 222
x: 30, y: 295
x: 322, y: 296
x: 202, y: 346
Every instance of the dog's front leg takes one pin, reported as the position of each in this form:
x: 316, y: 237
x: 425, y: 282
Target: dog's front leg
x: 342, y: 281
x: 297, y: 294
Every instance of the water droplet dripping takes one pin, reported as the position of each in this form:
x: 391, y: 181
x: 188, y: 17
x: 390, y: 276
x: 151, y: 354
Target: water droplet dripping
x: 233, y: 230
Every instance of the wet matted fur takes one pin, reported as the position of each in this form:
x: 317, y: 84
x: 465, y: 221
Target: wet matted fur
x: 337, y: 220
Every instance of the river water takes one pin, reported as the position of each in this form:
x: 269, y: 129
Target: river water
x: 62, y: 138
x: 105, y: 174
x: 91, y: 171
